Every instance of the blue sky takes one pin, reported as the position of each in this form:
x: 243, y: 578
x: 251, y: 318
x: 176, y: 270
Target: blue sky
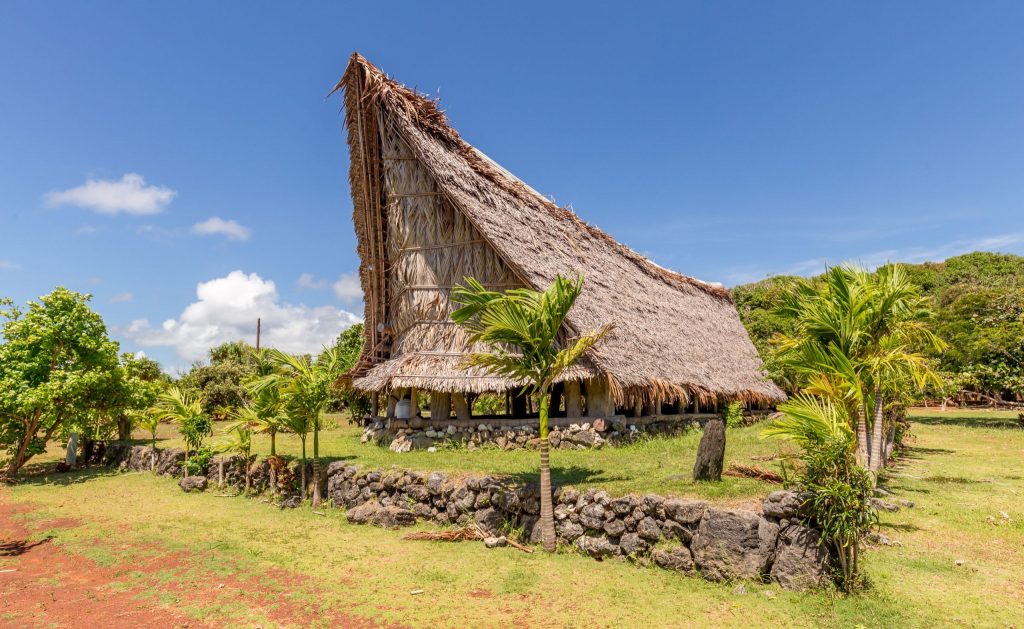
x: 725, y: 140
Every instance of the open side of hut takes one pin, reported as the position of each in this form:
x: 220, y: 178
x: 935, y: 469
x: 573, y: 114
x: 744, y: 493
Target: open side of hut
x: 430, y: 210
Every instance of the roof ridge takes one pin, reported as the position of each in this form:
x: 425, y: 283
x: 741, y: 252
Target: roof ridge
x: 427, y: 114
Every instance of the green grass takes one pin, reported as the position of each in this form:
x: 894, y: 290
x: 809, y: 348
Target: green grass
x: 371, y: 572
x: 659, y: 465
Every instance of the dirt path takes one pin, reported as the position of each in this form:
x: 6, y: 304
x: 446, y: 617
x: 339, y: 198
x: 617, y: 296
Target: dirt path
x: 44, y: 585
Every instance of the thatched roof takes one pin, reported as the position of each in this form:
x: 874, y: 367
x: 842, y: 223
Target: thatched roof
x: 674, y: 337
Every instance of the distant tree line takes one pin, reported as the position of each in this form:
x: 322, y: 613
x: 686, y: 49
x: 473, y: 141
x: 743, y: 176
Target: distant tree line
x: 977, y: 301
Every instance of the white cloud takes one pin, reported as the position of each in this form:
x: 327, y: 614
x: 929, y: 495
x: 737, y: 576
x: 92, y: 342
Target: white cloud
x: 130, y: 195
x: 86, y: 230
x: 121, y: 298
x: 232, y: 229
x: 347, y: 288
x: 306, y: 280
x: 227, y: 309
x: 7, y: 265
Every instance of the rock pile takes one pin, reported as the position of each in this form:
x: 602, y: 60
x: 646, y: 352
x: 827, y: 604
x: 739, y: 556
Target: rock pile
x: 688, y: 536
x: 491, y: 433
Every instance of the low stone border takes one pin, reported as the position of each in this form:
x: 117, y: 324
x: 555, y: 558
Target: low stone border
x: 581, y: 434
x: 688, y: 536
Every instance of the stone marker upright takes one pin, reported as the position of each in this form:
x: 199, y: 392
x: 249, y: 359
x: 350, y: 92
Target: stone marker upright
x: 710, y: 452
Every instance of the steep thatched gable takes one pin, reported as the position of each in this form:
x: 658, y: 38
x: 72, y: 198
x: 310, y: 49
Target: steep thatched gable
x: 675, y: 337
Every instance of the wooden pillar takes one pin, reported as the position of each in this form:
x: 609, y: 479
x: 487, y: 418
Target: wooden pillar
x: 414, y: 405
x: 440, y: 406
x: 375, y: 404
x: 461, y: 406
x: 638, y: 406
x: 599, y: 398
x: 572, y: 398
x: 393, y: 398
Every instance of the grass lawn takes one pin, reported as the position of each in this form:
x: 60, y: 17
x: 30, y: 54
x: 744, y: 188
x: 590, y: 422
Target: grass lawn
x: 963, y: 473
x: 658, y: 465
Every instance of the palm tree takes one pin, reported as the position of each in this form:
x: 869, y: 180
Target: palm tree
x: 854, y: 341
x: 149, y: 420
x: 305, y: 390
x: 522, y: 327
x: 267, y: 415
x: 182, y: 407
x: 238, y: 438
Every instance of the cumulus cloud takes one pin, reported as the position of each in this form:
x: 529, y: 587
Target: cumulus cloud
x: 121, y: 298
x: 307, y: 280
x: 347, y: 288
x: 217, y: 226
x: 226, y: 309
x: 129, y: 195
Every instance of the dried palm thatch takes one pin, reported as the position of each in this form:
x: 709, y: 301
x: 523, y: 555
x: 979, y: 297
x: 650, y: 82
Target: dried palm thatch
x: 429, y: 210
x: 757, y: 473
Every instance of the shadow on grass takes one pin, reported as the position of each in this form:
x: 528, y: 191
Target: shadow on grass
x: 17, y: 547
x: 1005, y: 423
x: 45, y: 474
x: 899, y: 526
x: 573, y: 475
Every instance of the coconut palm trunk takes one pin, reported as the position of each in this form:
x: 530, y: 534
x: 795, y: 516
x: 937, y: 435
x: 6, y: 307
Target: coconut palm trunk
x: 316, y: 462
x: 302, y: 476
x: 273, y: 463
x: 547, y: 514
x: 862, y: 437
x: 877, y: 432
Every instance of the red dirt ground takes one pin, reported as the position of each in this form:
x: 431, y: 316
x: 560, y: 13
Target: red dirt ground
x: 51, y: 587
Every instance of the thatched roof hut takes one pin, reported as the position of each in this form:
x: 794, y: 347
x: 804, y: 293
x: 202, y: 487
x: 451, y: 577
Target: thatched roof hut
x: 430, y: 209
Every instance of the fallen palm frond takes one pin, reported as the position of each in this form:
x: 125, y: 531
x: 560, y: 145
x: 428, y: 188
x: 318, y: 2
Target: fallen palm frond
x: 757, y: 473
x: 450, y: 535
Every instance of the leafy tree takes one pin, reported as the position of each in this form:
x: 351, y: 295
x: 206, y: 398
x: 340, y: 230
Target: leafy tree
x: 220, y: 385
x: 55, y: 362
x: 522, y: 327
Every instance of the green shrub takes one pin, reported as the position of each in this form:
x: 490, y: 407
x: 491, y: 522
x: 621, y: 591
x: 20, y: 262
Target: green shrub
x: 199, y: 462
x: 732, y: 415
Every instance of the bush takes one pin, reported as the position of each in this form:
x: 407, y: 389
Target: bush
x: 732, y: 415
x: 199, y: 462
x: 840, y: 504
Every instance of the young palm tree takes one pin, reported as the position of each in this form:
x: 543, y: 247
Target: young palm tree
x: 266, y: 406
x: 186, y: 410
x: 522, y: 328
x: 238, y: 438
x: 854, y: 339
x: 305, y: 390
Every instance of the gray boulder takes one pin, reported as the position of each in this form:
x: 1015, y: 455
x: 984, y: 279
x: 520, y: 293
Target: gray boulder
x: 782, y: 505
x: 800, y: 561
x: 490, y: 520
x: 568, y: 530
x: 685, y: 512
x: 733, y: 545
x: 633, y: 545
x: 596, y: 547
x: 679, y: 559
x: 192, y: 483
x: 648, y: 529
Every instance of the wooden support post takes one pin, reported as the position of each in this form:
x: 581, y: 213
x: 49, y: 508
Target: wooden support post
x: 461, y: 406
x: 393, y: 398
x: 599, y: 398
x: 440, y: 406
x: 414, y: 406
x: 375, y: 404
x: 638, y: 407
x: 572, y: 398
